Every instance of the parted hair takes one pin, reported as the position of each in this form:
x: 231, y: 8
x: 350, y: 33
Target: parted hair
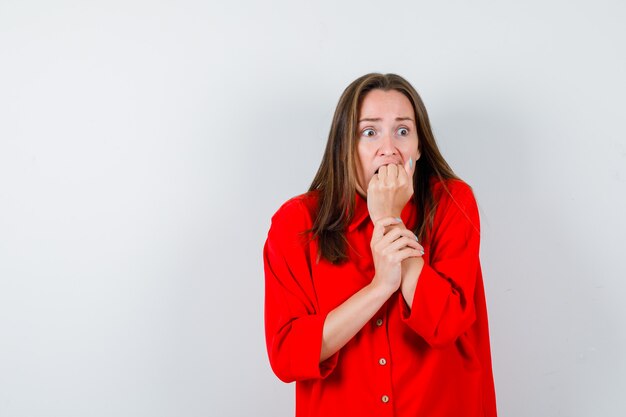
x: 336, y: 177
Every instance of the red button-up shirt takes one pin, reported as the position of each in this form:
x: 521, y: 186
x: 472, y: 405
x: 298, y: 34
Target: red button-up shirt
x: 432, y: 359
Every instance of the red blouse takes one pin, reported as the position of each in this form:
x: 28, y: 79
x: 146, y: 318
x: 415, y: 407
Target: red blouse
x: 430, y: 360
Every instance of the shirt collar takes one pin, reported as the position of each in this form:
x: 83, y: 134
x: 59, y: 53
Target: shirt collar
x: 360, y: 212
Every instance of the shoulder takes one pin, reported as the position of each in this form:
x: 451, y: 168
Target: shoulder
x: 289, y: 232
x: 452, y: 191
x: 303, y: 205
x: 455, y: 196
x: 296, y: 215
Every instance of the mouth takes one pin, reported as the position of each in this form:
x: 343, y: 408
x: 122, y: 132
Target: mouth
x: 382, y: 165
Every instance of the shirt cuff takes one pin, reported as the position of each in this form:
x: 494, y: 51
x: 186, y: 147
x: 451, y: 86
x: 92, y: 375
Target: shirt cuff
x: 308, y: 331
x: 429, y: 302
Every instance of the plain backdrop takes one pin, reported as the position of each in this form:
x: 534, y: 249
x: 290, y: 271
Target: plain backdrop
x: 144, y: 146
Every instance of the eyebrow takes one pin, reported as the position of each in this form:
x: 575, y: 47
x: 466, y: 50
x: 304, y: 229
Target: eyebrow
x: 378, y: 119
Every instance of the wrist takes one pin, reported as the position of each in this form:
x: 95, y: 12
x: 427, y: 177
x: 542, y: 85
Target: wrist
x: 381, y: 290
x: 376, y: 217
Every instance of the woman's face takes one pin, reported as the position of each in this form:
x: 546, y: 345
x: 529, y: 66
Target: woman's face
x: 387, y: 134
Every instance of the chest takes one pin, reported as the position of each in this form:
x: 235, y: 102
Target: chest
x: 336, y: 283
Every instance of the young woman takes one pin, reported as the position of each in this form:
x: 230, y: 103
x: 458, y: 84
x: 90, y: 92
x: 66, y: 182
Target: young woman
x: 374, y: 299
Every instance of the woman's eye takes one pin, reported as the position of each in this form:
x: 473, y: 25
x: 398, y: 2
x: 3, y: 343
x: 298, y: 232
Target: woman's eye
x: 368, y: 132
x: 403, y: 131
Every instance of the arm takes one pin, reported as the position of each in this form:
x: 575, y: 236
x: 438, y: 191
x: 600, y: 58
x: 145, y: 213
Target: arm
x: 346, y: 320
x: 388, y: 193
x: 389, y: 249
x: 293, y: 322
x: 442, y: 304
x: 302, y: 342
x: 411, y: 270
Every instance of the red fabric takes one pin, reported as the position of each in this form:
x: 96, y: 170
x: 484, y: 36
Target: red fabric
x: 437, y: 360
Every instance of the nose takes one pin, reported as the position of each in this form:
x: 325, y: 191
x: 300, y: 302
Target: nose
x: 387, y: 146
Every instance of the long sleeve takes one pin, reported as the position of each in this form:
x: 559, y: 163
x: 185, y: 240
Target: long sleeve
x: 293, y: 323
x: 443, y: 305
x: 432, y: 359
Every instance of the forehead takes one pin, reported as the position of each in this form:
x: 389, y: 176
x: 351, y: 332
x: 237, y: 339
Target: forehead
x: 382, y: 104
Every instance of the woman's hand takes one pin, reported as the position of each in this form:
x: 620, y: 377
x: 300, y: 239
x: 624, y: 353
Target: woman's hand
x: 390, y: 190
x: 389, y: 249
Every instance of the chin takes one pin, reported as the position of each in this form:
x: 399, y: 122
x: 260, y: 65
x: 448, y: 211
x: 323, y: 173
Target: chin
x: 360, y: 190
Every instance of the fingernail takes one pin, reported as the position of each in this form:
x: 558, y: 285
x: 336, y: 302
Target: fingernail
x: 422, y: 252
x: 399, y: 219
x: 416, y: 238
x: 411, y: 162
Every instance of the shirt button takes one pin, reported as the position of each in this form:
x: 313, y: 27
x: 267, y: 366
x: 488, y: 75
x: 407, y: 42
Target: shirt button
x: 379, y: 322
x: 385, y: 399
x: 382, y: 361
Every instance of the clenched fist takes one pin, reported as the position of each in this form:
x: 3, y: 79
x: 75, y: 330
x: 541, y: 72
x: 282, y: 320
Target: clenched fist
x: 389, y: 190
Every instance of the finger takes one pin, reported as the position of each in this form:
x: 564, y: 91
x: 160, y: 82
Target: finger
x: 409, y: 168
x: 397, y: 232
x: 392, y: 174
x: 388, y: 245
x: 382, y: 174
x: 403, y: 175
x: 379, y: 227
x: 372, y: 182
x: 403, y: 242
x: 408, y: 253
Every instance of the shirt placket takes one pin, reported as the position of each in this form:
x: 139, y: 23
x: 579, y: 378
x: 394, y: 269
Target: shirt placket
x: 381, y: 361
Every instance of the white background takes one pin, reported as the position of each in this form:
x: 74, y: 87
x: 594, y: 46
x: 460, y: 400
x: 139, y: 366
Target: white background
x: 145, y: 145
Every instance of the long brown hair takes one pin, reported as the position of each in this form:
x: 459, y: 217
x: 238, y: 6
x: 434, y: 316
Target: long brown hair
x: 336, y: 177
